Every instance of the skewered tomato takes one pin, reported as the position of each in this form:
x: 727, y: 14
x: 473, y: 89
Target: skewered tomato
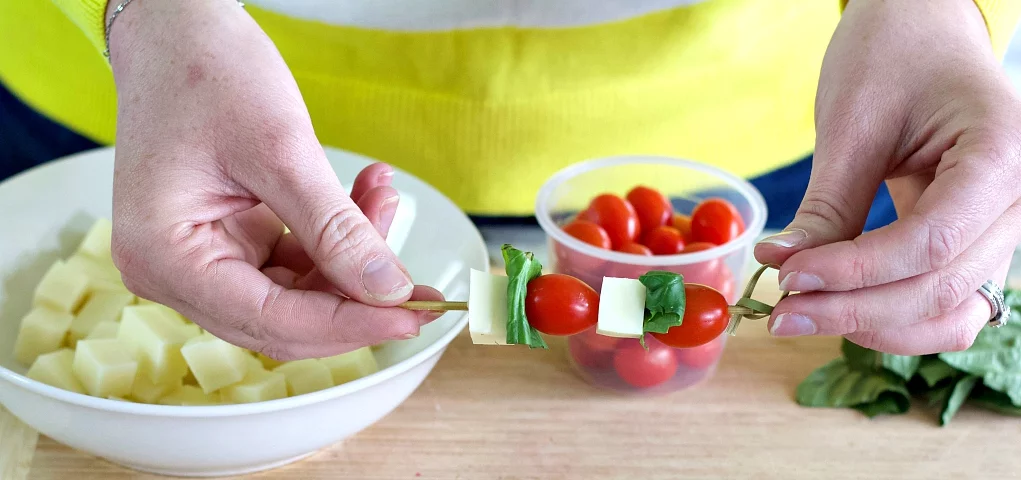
x: 643, y: 368
x: 652, y: 207
x: 705, y: 318
x: 615, y: 215
x: 715, y: 221
x: 557, y: 304
x: 664, y: 240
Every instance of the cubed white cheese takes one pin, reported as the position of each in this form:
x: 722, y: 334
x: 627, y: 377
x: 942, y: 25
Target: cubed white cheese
x: 487, y: 308
x: 96, y: 243
x: 621, y: 308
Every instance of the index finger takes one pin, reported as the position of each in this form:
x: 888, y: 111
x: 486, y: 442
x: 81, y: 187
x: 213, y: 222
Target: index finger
x: 238, y: 303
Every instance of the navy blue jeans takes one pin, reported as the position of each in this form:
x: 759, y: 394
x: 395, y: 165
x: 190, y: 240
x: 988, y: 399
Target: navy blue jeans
x: 28, y: 139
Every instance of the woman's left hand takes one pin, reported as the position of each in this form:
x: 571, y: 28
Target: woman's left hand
x: 910, y: 93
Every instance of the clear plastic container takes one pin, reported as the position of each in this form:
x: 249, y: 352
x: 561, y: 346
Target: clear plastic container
x: 615, y: 363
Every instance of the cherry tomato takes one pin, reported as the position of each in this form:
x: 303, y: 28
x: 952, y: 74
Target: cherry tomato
x: 715, y: 221
x: 589, y: 233
x: 558, y: 304
x: 705, y: 273
x: 615, y: 215
x: 588, y: 357
x: 700, y: 357
x: 683, y: 224
x: 664, y: 240
x: 652, y: 207
x: 635, y: 248
x: 698, y: 247
x: 596, y: 341
x: 705, y: 318
x: 644, y: 369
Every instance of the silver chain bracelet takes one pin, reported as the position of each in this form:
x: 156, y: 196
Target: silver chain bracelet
x: 113, y: 16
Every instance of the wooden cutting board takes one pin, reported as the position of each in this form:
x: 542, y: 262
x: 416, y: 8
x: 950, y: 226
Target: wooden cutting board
x: 503, y: 413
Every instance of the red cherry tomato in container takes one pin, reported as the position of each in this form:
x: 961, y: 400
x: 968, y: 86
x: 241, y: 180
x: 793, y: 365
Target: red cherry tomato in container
x: 641, y: 368
x: 715, y: 221
x: 683, y: 224
x: 700, y: 357
x: 705, y: 318
x: 635, y: 248
x: 664, y: 240
x: 589, y: 233
x: 615, y: 215
x: 558, y: 304
x: 589, y: 349
x: 652, y: 207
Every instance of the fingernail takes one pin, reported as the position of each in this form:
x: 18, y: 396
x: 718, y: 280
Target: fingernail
x: 409, y: 336
x: 384, y: 280
x: 386, y: 175
x: 787, y: 238
x: 792, y: 325
x: 801, y: 282
x: 387, y: 211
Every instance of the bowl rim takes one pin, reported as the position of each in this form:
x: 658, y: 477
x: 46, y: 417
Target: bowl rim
x: 746, y: 189
x: 241, y: 409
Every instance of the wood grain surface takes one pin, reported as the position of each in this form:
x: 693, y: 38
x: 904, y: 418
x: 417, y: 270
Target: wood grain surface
x: 510, y: 413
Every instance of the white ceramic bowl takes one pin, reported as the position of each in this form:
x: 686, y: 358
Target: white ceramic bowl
x: 44, y: 213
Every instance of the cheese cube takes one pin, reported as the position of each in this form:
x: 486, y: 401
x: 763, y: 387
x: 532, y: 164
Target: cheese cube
x: 104, y: 329
x: 253, y: 363
x: 214, y: 362
x: 145, y: 391
x: 191, y: 330
x: 190, y: 395
x: 189, y: 379
x: 41, y: 331
x: 101, y: 306
x: 143, y: 301
x: 621, y: 308
x: 104, y: 367
x: 258, y: 386
x: 54, y: 369
x: 268, y: 363
x: 96, y: 243
x: 305, y: 376
x: 102, y: 276
x: 62, y: 288
x: 155, y: 341
x: 352, y: 365
x: 487, y: 308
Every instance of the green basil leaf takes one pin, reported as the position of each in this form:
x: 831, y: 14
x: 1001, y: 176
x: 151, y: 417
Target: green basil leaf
x: 996, y: 358
x: 859, y: 357
x: 903, y: 366
x: 837, y: 384
x: 888, y: 403
x: 933, y: 370
x: 938, y: 396
x: 664, y: 300
x: 994, y: 401
x: 962, y: 388
x: 521, y: 267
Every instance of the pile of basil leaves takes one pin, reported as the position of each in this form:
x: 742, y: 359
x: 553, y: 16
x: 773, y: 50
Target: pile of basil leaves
x: 987, y: 375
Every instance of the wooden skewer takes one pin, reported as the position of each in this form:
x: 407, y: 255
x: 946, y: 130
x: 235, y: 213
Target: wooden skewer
x: 434, y: 306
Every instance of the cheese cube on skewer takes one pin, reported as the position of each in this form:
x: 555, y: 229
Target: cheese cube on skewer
x: 487, y: 308
x: 55, y: 369
x: 101, y: 306
x: 104, y: 367
x: 62, y: 288
x: 41, y: 331
x: 621, y: 308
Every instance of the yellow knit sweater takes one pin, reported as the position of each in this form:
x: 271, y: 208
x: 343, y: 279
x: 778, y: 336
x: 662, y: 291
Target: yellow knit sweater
x: 501, y: 98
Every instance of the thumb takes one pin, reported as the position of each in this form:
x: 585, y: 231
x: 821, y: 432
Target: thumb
x: 345, y: 247
x: 835, y: 207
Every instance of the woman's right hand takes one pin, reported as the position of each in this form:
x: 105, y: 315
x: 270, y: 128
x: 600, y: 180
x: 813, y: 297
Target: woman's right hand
x: 214, y: 148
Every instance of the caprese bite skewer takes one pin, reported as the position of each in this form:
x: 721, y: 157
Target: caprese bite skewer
x: 514, y: 309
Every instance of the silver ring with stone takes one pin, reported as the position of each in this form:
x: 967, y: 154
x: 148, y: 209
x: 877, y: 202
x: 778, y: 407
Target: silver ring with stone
x: 994, y: 294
